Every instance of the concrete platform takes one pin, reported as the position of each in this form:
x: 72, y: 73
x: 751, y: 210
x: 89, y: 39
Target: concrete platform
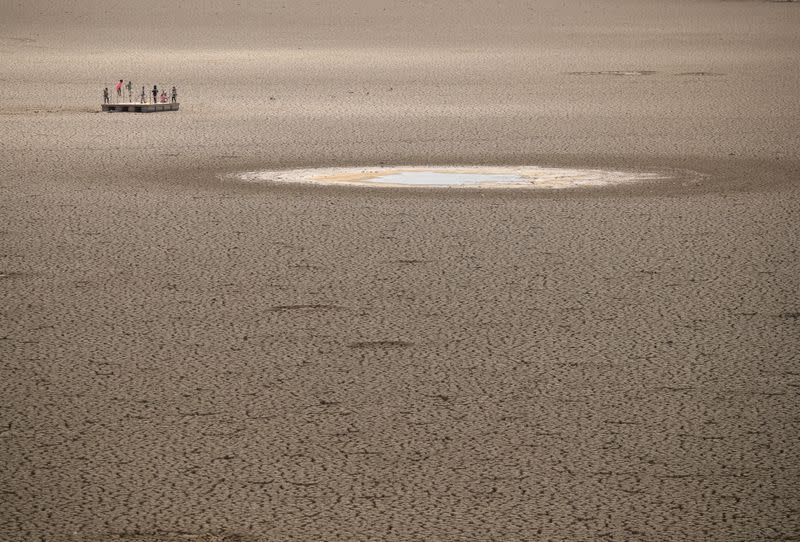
x: 140, y: 107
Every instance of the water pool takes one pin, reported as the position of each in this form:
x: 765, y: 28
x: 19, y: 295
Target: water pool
x: 453, y: 176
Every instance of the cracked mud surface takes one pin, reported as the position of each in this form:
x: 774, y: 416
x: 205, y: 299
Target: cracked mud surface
x: 624, y: 367
x: 187, y: 359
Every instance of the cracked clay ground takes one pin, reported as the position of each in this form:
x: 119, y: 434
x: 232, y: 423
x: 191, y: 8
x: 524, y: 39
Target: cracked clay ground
x: 185, y: 357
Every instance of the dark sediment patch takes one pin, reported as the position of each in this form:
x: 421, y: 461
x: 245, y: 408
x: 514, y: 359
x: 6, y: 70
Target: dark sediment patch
x: 17, y: 39
x: 700, y: 74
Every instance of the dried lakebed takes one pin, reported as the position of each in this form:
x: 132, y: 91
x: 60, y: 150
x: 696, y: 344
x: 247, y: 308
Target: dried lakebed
x: 459, y: 176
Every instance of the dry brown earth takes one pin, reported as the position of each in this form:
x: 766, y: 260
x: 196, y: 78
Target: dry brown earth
x: 190, y: 358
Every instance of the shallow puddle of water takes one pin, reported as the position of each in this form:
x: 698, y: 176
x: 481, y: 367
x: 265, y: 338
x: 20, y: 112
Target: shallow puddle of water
x: 453, y: 177
x: 444, y: 178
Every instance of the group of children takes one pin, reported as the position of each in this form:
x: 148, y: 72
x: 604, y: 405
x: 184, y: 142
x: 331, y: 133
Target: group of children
x: 122, y: 87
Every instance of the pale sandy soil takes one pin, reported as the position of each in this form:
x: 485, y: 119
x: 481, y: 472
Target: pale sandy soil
x: 184, y: 357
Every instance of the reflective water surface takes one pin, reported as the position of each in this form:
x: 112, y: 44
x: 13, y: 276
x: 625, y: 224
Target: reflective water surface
x: 453, y: 176
x: 445, y: 178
